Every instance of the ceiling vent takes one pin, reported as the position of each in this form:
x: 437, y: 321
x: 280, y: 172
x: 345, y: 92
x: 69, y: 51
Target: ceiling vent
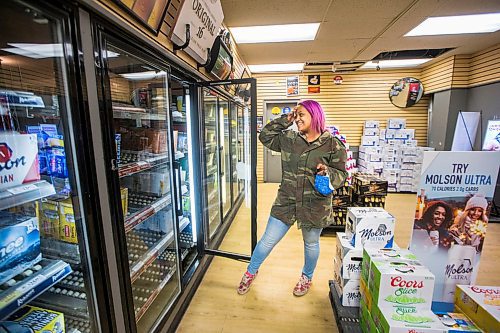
x: 336, y: 66
x: 411, y: 54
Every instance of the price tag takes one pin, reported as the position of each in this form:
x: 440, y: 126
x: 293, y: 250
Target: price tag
x: 22, y: 189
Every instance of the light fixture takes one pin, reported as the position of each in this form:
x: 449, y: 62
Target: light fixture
x: 462, y: 24
x: 383, y: 64
x: 36, y: 51
x: 275, y: 33
x: 292, y: 67
x: 149, y: 75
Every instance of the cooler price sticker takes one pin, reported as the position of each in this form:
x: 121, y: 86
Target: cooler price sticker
x: 22, y: 189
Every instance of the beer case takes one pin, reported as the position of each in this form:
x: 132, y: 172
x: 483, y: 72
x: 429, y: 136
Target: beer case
x: 19, y: 244
x: 403, y: 320
x: 40, y: 320
x: 348, y: 259
x: 349, y: 292
x: 370, y: 227
x: 67, y: 229
x: 396, y: 123
x: 481, y: 304
x: 372, y: 124
x: 18, y: 159
x: 394, y: 253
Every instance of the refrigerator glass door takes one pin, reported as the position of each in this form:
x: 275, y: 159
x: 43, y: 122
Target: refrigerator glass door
x: 225, y: 155
x: 241, y: 144
x: 212, y: 180
x: 44, y: 252
x: 234, y: 150
x: 140, y: 101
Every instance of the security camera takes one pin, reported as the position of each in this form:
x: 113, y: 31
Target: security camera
x: 377, y: 68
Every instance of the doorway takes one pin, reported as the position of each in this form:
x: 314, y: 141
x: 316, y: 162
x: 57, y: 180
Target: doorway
x: 272, y: 160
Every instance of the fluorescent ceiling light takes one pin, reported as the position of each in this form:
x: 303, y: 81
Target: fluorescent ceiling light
x: 149, y: 75
x: 275, y: 33
x: 36, y: 51
x: 293, y: 67
x: 383, y: 64
x: 452, y: 25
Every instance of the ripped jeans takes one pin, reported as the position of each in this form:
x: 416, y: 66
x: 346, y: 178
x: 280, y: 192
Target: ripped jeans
x: 275, y: 231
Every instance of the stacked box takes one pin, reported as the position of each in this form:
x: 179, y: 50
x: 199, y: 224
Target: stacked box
x: 350, y: 164
x: 481, y: 304
x: 39, y: 320
x: 396, y: 292
x: 396, y: 123
x: 370, y: 227
x: 347, y: 271
x: 457, y: 322
x: 338, y: 216
x: 369, y: 190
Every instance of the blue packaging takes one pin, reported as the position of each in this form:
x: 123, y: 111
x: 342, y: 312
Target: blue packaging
x: 19, y: 244
x: 56, y: 162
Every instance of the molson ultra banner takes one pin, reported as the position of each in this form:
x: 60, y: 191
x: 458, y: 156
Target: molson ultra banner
x: 456, y: 192
x: 18, y: 159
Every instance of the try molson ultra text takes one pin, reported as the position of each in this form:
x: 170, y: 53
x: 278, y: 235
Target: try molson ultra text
x: 399, y: 283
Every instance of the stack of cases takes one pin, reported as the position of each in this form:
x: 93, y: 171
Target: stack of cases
x: 369, y: 190
x: 341, y: 199
x: 396, y: 293
x: 350, y: 164
x: 370, y: 227
x: 370, y: 157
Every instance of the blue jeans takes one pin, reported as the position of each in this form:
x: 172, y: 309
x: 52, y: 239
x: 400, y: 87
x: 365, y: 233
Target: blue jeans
x: 275, y: 231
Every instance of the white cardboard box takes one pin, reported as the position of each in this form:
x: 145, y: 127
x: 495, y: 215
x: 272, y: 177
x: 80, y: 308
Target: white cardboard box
x: 350, y: 294
x: 370, y: 227
x: 369, y: 141
x: 372, y: 124
x: 396, y: 123
x: 371, y: 132
x: 347, y: 257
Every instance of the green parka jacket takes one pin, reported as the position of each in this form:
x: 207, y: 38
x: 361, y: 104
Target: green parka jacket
x: 297, y: 199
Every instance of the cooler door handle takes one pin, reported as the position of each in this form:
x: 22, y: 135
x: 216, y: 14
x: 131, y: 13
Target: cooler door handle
x: 178, y: 209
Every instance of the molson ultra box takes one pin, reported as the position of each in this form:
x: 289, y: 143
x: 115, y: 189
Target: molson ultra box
x: 39, y: 320
x: 348, y: 258
x: 481, y: 304
x: 400, y: 283
x: 398, y: 321
x: 348, y: 289
x: 18, y: 159
x: 370, y: 227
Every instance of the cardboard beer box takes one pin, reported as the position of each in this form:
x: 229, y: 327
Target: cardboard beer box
x: 18, y: 159
x: 349, y: 258
x: 49, y: 219
x: 481, y: 304
x: 369, y: 140
x: 349, y: 293
x: 396, y: 123
x: 372, y: 124
x: 394, y: 253
x: 19, y: 244
x: 371, y: 132
x: 40, y: 320
x: 67, y: 227
x: 407, y: 320
x: 457, y: 322
x: 400, y: 283
x: 370, y: 227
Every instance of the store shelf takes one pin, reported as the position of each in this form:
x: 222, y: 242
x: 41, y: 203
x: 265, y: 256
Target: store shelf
x: 150, y: 162
x: 137, y: 114
x: 143, y: 309
x: 69, y: 305
x: 57, y: 249
x: 150, y: 256
x: 24, y: 193
x: 137, y: 218
x: 30, y: 287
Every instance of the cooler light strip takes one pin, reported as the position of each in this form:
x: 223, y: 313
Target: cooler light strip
x: 192, y: 197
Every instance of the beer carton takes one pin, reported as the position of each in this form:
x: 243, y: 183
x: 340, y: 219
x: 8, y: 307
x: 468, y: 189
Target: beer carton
x: 18, y: 159
x: 348, y: 291
x: 396, y: 123
x: 400, y: 321
x: 49, y: 219
x: 481, y: 304
x: 457, y: 322
x: 67, y: 229
x: 19, y: 244
x: 39, y: 320
x: 370, y: 227
x: 349, y: 258
x: 394, y: 253
x: 400, y: 283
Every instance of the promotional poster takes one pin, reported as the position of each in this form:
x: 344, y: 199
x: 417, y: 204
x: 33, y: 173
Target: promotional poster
x: 451, y: 217
x: 292, y: 86
x: 492, y: 137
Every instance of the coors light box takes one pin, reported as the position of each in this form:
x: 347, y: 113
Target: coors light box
x: 18, y: 159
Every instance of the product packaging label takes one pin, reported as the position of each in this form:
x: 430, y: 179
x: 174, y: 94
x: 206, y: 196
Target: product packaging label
x: 348, y: 258
x: 481, y: 304
x: 370, y: 228
x: 49, y: 219
x: 67, y: 230
x: 39, y: 320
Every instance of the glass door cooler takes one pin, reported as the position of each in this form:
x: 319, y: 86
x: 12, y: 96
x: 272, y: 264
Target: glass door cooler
x: 150, y: 178
x: 46, y: 277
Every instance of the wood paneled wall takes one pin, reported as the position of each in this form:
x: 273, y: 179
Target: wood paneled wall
x: 361, y: 96
x: 485, y: 67
x: 438, y: 76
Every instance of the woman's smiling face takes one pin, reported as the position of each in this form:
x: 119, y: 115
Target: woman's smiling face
x: 303, y: 119
x: 439, y: 216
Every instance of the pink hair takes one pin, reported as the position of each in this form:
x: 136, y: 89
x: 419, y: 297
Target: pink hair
x: 317, y: 115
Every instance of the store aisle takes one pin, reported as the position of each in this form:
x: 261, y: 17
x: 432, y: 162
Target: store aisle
x: 270, y: 306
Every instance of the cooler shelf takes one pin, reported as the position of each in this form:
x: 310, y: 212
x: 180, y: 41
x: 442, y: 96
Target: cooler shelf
x: 32, y: 286
x: 137, y: 218
x: 150, y: 162
x: 150, y: 256
x: 24, y: 193
x: 136, y: 114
